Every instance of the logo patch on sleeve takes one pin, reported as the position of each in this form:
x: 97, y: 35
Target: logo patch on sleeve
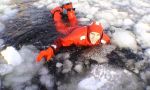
x: 82, y: 37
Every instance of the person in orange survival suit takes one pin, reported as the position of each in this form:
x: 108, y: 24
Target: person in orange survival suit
x: 90, y: 35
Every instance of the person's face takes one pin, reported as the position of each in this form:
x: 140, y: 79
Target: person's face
x: 94, y: 37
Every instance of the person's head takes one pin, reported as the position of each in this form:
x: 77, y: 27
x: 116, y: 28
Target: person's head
x: 95, y: 31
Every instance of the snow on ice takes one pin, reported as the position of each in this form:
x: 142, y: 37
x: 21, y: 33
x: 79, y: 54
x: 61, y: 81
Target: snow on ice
x: 16, y: 75
x: 142, y: 30
x: 147, y: 52
x: 102, y: 78
x: 124, y: 39
x: 1, y: 41
x: 2, y: 27
x: 7, y: 10
x: 11, y: 56
x: 5, y: 69
x: 45, y: 78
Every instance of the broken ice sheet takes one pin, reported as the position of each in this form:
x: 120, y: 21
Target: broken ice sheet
x: 12, y: 56
x: 98, y: 53
x: 107, y: 77
x: 5, y: 69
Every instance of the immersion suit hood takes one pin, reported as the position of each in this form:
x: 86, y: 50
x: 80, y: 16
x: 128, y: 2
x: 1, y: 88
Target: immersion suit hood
x: 95, y: 27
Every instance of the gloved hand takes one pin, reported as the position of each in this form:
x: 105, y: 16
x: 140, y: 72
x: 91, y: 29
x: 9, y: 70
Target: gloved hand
x: 48, y: 54
x: 59, y: 9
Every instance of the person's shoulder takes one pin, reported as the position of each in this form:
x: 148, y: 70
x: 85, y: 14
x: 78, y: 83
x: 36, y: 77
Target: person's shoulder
x: 82, y: 30
x: 83, y: 27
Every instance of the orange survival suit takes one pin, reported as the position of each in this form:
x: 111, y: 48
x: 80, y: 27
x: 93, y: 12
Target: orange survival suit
x: 74, y: 34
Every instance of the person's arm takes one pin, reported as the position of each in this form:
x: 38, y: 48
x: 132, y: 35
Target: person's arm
x: 61, y: 42
x: 105, y: 39
x: 50, y: 51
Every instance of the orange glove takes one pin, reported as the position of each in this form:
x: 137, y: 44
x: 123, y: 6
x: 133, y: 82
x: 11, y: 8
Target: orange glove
x: 48, y: 54
x: 56, y: 9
